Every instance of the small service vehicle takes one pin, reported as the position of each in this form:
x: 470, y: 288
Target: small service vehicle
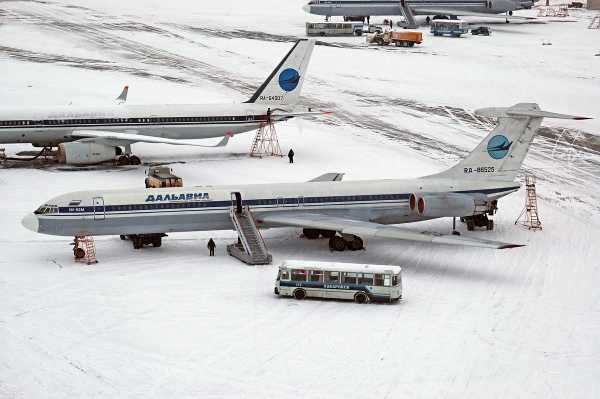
x: 400, y: 39
x: 162, y: 176
x: 482, y: 30
x: 356, y: 282
x: 450, y: 27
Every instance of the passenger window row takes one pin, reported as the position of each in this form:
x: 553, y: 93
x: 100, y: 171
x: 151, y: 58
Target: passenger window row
x: 104, y: 121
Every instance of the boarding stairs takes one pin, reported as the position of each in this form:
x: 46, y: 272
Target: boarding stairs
x: 251, y: 247
x: 409, y: 18
x: 532, y: 220
x: 595, y: 23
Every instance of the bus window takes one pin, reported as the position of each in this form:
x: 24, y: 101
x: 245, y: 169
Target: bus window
x: 316, y: 275
x: 379, y: 280
x: 332, y: 277
x: 386, y: 280
x: 349, y: 278
x: 366, y: 278
x: 284, y: 274
x: 298, y: 275
x: 395, y: 280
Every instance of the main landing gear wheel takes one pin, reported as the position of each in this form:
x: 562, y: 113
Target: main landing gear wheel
x: 129, y: 160
x: 337, y: 243
x: 355, y: 244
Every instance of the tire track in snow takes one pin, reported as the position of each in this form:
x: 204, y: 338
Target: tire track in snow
x: 102, y: 31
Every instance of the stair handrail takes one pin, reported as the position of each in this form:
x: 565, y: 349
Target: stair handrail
x: 234, y: 217
x: 261, y: 240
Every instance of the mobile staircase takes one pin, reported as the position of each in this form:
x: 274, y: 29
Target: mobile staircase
x: 409, y: 18
x: 251, y: 247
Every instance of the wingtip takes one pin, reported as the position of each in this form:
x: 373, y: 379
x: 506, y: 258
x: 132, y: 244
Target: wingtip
x: 510, y: 246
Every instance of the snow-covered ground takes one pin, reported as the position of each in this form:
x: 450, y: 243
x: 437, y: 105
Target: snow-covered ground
x: 172, y: 322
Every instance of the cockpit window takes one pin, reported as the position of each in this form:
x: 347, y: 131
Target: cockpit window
x: 46, y: 209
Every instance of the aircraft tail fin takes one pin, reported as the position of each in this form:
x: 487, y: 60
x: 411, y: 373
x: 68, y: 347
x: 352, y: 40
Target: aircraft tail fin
x: 500, y: 155
x: 284, y: 84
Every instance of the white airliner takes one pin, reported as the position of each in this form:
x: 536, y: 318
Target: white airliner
x: 364, y: 8
x: 353, y: 209
x: 93, y: 135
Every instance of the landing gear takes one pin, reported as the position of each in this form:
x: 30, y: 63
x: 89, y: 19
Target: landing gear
x: 454, y: 231
x: 127, y: 159
x: 313, y: 234
x: 353, y: 243
x: 139, y: 240
x: 480, y: 220
x: 337, y: 243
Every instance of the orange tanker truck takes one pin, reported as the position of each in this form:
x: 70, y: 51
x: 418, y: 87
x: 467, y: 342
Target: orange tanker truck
x: 400, y: 39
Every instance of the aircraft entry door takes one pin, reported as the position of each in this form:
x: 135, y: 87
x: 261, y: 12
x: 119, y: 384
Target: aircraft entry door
x: 99, y: 208
x: 236, y: 201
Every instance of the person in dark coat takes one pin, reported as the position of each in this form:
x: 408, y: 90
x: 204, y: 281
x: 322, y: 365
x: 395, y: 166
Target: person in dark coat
x: 211, y: 247
x: 291, y: 155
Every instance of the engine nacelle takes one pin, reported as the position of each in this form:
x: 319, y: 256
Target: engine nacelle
x: 85, y: 153
x: 440, y: 205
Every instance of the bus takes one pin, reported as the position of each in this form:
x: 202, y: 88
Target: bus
x: 451, y: 27
x: 358, y: 282
x: 334, y: 28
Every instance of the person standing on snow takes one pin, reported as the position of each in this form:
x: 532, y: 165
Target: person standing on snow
x: 291, y: 155
x: 211, y: 247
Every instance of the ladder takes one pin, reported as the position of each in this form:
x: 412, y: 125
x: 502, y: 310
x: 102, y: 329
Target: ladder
x: 265, y: 141
x: 87, y: 245
x: 595, y: 23
x: 251, y: 248
x: 532, y: 220
x: 409, y: 18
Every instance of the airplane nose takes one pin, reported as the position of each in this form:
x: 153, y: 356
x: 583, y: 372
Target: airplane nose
x: 30, y: 222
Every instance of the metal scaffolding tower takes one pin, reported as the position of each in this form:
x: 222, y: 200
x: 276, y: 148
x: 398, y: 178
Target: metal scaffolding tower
x: 529, y: 215
x: 266, y: 143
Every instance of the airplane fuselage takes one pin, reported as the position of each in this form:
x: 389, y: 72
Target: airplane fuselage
x: 419, y: 7
x: 207, y: 208
x: 51, y: 126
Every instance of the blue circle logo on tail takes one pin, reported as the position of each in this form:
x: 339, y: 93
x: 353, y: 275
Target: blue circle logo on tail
x: 289, y: 79
x: 498, y: 146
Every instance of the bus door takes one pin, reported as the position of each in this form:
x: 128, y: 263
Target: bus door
x: 99, y: 208
x: 236, y: 201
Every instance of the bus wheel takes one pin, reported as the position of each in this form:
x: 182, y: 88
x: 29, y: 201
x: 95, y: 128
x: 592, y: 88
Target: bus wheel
x: 337, y: 243
x: 300, y: 294
x: 79, y: 253
x: 311, y: 234
x: 361, y: 298
x: 123, y: 237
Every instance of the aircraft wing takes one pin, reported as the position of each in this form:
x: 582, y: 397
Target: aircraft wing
x: 370, y: 229
x: 114, y: 138
x: 463, y: 13
x: 281, y: 116
x: 328, y: 177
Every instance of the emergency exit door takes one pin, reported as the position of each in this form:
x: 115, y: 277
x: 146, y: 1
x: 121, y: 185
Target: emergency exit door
x: 99, y: 208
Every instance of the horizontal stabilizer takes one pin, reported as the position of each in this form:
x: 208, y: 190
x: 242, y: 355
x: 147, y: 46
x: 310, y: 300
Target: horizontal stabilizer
x: 114, y: 138
x: 370, y: 229
x: 328, y: 177
x: 518, y: 111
